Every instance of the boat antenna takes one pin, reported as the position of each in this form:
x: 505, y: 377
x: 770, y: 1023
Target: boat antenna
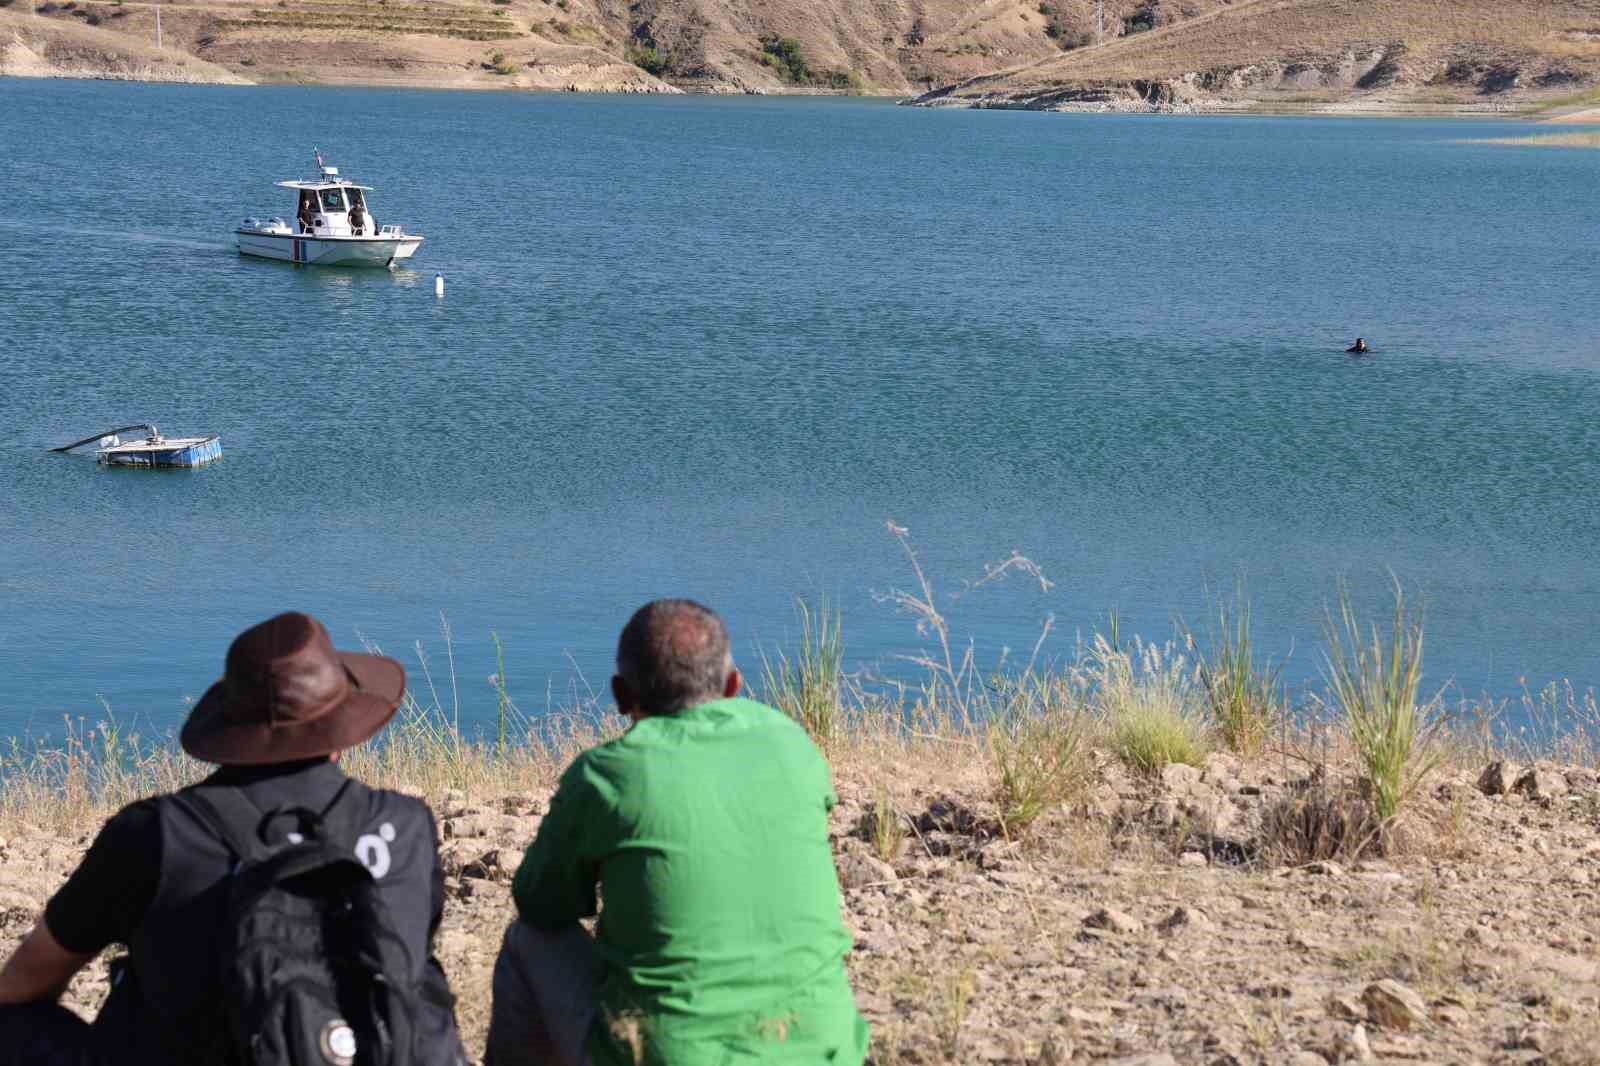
x: 318, y: 155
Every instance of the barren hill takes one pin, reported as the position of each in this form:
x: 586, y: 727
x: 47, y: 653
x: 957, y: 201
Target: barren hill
x: 1342, y: 54
x: 1405, y: 54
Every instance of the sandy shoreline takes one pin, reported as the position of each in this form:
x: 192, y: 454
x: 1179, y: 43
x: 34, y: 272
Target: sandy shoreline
x: 1587, y: 117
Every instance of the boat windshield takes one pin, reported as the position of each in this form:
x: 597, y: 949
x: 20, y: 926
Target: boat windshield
x: 356, y: 199
x: 332, y: 200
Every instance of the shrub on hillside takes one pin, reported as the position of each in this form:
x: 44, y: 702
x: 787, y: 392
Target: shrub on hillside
x: 648, y: 58
x: 845, y: 81
x: 785, y: 55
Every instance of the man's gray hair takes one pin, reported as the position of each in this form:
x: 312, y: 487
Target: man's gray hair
x: 674, y: 654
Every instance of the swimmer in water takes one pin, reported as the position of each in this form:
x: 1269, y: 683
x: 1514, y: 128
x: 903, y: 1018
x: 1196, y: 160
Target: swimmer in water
x: 1359, y: 347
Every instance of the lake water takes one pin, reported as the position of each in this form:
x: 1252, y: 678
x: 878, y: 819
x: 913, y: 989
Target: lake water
x: 709, y: 347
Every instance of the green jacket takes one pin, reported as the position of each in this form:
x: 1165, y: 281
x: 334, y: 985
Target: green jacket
x: 722, y: 938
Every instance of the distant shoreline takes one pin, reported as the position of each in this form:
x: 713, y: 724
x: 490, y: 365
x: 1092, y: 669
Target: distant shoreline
x: 181, y: 74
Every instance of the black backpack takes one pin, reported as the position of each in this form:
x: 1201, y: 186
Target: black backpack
x: 312, y: 970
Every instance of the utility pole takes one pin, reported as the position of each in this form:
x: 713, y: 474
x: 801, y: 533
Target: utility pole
x: 158, y: 27
x: 1099, y: 21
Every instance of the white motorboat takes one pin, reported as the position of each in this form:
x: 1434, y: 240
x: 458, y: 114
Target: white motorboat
x: 333, y: 226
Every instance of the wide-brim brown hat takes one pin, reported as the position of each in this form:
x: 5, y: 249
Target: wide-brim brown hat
x: 288, y: 694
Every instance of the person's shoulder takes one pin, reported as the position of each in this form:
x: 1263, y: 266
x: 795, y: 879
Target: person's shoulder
x: 768, y: 718
x: 135, y: 830
x: 138, y: 818
x: 393, y: 799
x: 609, y: 758
x: 771, y: 726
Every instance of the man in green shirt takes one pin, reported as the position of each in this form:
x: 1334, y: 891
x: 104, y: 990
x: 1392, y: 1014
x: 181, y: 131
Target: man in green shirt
x: 705, y: 827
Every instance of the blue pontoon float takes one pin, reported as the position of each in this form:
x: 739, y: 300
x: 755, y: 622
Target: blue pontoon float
x: 152, y: 450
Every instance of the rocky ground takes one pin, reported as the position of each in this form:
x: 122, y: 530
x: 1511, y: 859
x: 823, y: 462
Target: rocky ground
x: 1172, y: 919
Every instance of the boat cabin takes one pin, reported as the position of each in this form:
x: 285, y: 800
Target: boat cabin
x: 331, y: 206
x: 332, y: 225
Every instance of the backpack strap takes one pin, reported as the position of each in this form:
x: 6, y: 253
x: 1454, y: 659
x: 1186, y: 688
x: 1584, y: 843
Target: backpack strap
x: 223, y: 811
x: 343, y: 821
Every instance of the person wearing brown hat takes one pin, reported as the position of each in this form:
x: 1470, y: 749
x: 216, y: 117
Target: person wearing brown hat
x: 157, y: 877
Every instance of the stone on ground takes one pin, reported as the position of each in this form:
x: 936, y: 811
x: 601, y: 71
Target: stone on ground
x: 1393, y: 1005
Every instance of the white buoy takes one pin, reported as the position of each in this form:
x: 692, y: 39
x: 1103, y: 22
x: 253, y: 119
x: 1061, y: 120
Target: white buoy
x: 438, y: 284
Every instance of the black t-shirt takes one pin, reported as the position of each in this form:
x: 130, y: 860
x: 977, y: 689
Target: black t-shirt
x: 107, y: 896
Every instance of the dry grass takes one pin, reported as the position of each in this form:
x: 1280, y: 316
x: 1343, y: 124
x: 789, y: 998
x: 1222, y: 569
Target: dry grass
x: 1321, y: 823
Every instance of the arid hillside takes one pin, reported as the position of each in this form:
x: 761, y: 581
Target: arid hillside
x: 1419, y: 55
x: 1047, y: 54
x: 886, y: 46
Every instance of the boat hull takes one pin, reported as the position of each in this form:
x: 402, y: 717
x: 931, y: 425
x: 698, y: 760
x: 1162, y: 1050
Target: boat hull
x: 328, y: 251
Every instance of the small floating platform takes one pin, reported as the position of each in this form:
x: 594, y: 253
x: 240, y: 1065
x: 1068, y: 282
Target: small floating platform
x: 153, y: 450
x: 163, y: 451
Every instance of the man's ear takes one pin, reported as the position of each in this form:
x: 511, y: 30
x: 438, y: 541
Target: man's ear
x: 731, y: 687
x: 627, y: 703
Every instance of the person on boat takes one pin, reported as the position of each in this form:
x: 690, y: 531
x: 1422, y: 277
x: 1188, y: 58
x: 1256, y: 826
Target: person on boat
x: 1359, y: 347
x: 704, y: 828
x: 158, y: 876
x: 308, y: 210
x: 358, y: 214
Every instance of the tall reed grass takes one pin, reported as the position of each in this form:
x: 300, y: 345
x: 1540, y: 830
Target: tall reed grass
x: 1245, y: 697
x: 1377, y: 686
x: 809, y: 686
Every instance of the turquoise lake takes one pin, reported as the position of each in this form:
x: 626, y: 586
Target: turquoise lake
x: 710, y: 347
